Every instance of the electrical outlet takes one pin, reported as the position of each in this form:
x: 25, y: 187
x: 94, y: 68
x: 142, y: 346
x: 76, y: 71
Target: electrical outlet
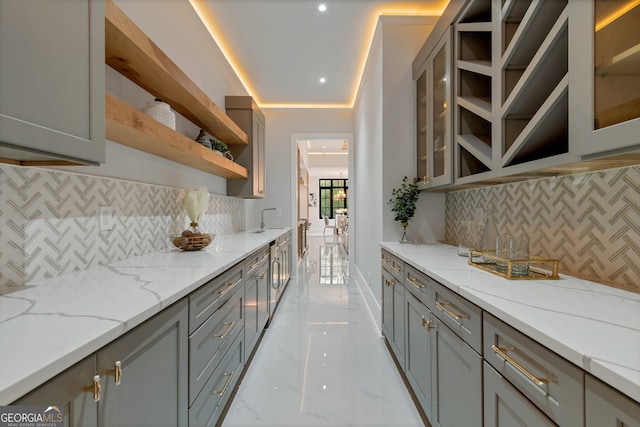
x: 105, y: 218
x: 278, y: 212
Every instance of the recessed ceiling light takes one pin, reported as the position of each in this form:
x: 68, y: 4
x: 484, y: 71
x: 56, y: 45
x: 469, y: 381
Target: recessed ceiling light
x: 322, y: 7
x: 323, y: 80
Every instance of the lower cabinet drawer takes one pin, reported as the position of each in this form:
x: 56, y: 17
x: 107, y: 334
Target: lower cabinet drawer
x: 393, y: 265
x: 554, y: 385
x: 206, y: 300
x: 461, y: 315
x: 211, y: 401
x: 209, y: 342
x: 506, y: 406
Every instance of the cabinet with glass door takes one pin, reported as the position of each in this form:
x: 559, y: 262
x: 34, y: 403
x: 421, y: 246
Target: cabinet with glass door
x: 605, y: 65
x: 433, y: 117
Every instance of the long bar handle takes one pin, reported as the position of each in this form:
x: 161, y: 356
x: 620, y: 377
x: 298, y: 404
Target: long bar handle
x: 502, y: 352
x: 95, y: 388
x: 227, y: 286
x: 443, y: 306
x: 224, y: 334
x: 413, y: 283
x: 229, y: 376
x: 393, y: 266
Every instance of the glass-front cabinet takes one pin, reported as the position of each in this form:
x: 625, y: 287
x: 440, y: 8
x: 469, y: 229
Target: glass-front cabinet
x: 433, y: 96
x: 606, y: 43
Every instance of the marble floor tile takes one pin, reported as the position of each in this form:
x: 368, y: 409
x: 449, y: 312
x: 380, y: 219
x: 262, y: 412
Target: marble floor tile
x: 321, y: 362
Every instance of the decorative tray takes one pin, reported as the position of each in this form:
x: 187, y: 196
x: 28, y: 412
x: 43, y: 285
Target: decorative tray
x: 191, y: 241
x: 488, y: 261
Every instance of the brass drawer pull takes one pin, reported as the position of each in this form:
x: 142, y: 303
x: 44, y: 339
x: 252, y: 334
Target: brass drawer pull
x: 428, y: 323
x: 261, y: 276
x: 224, y: 334
x: 415, y: 284
x: 388, y: 282
x: 116, y: 372
x: 95, y: 388
x: 393, y: 266
x: 254, y: 265
x: 443, y: 306
x: 229, y: 376
x: 227, y: 286
x: 502, y: 352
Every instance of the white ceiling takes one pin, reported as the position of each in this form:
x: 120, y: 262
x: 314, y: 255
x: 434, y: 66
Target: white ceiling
x: 281, y: 48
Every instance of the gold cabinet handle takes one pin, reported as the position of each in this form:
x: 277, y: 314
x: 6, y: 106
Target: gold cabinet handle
x: 415, y: 284
x: 388, y: 282
x: 428, y: 323
x: 393, y: 266
x: 229, y: 376
x: 261, y: 276
x: 426, y: 179
x: 443, y: 306
x: 224, y: 334
x: 502, y: 352
x: 227, y: 286
x: 116, y: 372
x: 95, y: 388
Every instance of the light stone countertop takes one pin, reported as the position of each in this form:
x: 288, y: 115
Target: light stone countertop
x: 595, y: 327
x: 49, y: 326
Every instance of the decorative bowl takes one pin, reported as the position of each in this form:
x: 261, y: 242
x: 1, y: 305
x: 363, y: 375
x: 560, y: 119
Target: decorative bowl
x: 192, y: 241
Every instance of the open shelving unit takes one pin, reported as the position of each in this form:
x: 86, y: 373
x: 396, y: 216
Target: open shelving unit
x: 534, y: 110
x: 474, y: 90
x: 130, y: 52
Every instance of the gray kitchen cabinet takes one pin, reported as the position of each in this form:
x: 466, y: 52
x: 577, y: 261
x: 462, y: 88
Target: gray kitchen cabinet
x: 434, y: 143
x: 605, y: 111
x: 456, y: 379
x: 606, y: 407
x: 210, y: 403
x: 505, y: 406
x: 256, y: 298
x: 552, y: 384
x: 151, y: 388
x: 393, y: 304
x: 209, y: 343
x: 73, y: 390
x: 418, y: 350
x: 52, y: 82
x: 245, y: 113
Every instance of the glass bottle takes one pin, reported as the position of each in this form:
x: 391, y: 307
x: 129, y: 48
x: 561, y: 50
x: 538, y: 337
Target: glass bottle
x: 489, y: 234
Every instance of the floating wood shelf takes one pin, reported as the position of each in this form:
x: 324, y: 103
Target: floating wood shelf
x: 129, y: 51
x: 130, y: 127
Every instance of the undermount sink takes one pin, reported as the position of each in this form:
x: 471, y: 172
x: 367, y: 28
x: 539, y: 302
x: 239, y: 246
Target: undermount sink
x: 258, y: 231
x: 262, y: 230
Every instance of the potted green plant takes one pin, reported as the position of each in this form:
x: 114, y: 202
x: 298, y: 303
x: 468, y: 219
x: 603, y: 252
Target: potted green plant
x: 218, y: 145
x: 403, y: 203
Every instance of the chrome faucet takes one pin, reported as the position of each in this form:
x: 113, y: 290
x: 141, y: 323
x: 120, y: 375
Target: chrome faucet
x: 262, y: 217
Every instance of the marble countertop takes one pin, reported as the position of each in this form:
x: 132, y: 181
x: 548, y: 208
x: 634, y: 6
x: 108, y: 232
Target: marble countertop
x: 47, y: 327
x: 595, y: 327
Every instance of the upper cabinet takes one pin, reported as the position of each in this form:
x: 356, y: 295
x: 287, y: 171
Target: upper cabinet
x: 605, y: 65
x: 52, y: 82
x: 245, y: 113
x: 129, y: 51
x: 434, y: 117
x: 539, y: 88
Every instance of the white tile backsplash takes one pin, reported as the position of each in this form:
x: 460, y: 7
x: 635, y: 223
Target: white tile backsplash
x: 590, y: 222
x: 49, y: 221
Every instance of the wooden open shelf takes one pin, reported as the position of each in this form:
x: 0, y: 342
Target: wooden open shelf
x: 129, y: 51
x: 132, y: 128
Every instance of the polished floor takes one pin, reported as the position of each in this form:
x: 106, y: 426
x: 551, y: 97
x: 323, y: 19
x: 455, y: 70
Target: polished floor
x: 321, y: 362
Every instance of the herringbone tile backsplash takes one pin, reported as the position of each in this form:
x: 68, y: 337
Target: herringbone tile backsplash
x: 590, y: 222
x: 49, y: 221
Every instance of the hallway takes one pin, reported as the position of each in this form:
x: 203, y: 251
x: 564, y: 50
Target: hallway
x: 321, y: 361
